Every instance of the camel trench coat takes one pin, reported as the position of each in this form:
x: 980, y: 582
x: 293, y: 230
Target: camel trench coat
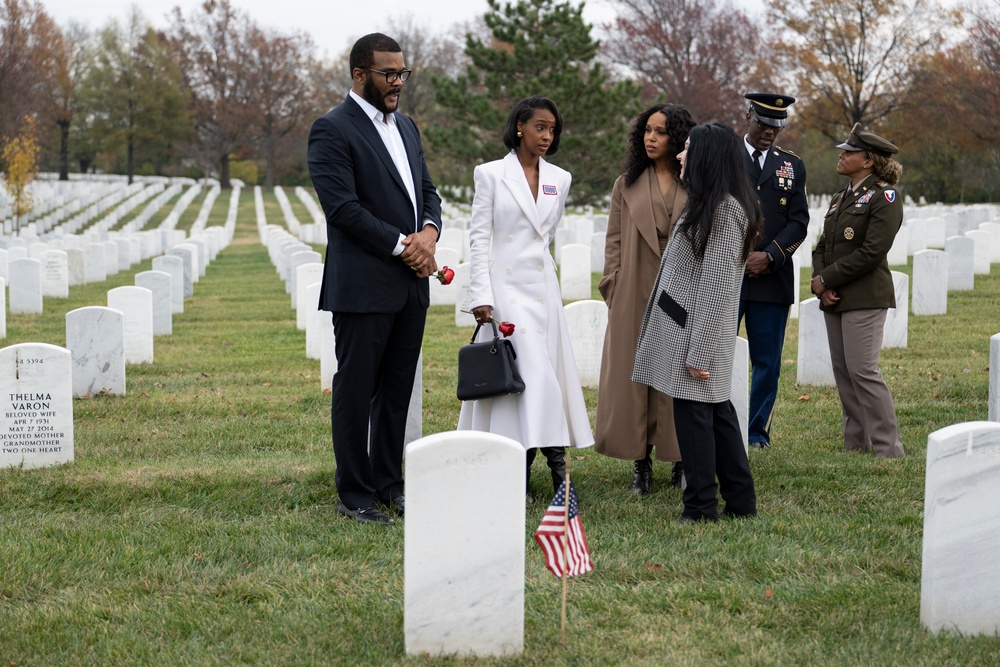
x: 631, y: 415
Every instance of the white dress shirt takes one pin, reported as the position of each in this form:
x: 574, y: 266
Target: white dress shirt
x: 393, y: 140
x: 750, y: 149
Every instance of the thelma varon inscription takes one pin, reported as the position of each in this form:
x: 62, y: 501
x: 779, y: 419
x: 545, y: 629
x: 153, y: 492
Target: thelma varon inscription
x: 31, y: 430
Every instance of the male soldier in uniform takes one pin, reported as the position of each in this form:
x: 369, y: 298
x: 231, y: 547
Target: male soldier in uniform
x: 769, y: 285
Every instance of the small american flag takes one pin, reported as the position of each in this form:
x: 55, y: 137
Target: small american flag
x: 550, y: 536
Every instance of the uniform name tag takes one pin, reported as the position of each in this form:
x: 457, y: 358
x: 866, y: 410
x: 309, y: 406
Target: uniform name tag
x: 549, y: 190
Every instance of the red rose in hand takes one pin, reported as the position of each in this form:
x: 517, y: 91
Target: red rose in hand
x: 507, y: 329
x: 445, y: 276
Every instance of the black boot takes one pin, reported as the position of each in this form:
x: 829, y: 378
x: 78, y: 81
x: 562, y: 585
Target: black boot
x: 556, y: 458
x: 677, y: 475
x: 529, y: 457
x: 642, y: 480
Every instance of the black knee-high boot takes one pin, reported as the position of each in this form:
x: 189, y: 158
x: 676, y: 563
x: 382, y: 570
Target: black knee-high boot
x: 642, y: 480
x: 556, y: 458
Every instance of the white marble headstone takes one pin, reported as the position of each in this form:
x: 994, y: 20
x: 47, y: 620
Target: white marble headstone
x: 961, y: 275
x: 994, y: 388
x: 894, y: 333
x: 111, y: 265
x: 36, y: 406
x: 463, y: 570
x: 159, y: 283
x: 574, y: 272
x: 930, y: 282
x: 3, y: 264
x: 993, y: 229
x: 55, y: 274
x: 982, y: 252
x: 740, y: 395
x: 75, y: 262
x: 94, y: 266
x: 793, y: 312
x: 327, y: 351
x: 305, y: 275
x: 25, y: 286
x: 415, y: 412
x: 173, y: 265
x: 900, y: 248
x: 918, y: 238
x: 314, y: 323
x: 136, y: 304
x: 296, y: 260
x: 444, y: 295
x: 814, y: 365
x: 189, y: 254
x: 597, y: 242
x: 3, y: 307
x: 960, y: 577
x: 587, y: 322
x: 96, y: 337
x: 463, y: 314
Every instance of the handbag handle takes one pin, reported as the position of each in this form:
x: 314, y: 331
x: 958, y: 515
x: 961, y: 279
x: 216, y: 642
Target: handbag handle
x: 496, y: 334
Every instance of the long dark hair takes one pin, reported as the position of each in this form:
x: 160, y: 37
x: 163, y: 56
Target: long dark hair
x: 522, y: 113
x: 679, y: 123
x: 715, y: 167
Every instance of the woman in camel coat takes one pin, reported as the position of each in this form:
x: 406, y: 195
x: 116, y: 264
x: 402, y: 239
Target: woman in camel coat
x: 647, y: 199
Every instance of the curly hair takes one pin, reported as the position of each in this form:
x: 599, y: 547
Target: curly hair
x: 679, y: 123
x: 885, y: 168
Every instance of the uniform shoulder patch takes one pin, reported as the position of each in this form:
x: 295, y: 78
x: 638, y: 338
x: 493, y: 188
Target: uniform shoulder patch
x: 785, y: 150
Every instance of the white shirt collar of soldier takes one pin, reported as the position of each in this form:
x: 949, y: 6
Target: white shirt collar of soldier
x: 751, y: 148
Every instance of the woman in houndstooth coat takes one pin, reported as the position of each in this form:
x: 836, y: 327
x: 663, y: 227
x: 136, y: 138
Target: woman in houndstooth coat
x: 688, y: 332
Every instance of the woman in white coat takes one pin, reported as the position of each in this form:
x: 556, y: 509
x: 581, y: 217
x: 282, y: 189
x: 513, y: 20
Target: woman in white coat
x: 519, y: 202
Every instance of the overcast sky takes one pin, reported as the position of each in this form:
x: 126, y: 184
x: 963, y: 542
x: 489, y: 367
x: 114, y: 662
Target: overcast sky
x: 333, y: 24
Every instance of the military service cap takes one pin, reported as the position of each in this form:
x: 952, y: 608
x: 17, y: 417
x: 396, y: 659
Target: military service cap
x: 861, y: 140
x: 769, y: 108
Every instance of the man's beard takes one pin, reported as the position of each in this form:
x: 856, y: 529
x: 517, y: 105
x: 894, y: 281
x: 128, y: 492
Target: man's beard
x: 372, y: 95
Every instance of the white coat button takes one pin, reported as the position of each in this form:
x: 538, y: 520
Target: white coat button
x: 509, y: 238
x: 541, y: 299
x: 513, y: 299
x: 541, y: 332
x: 510, y: 270
x: 541, y: 268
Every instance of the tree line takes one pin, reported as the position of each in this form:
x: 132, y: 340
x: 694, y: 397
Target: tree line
x: 216, y: 93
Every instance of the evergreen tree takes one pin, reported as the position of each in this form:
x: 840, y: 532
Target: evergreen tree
x: 538, y: 47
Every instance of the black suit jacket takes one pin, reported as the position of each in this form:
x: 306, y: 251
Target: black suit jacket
x: 781, y: 189
x: 367, y: 208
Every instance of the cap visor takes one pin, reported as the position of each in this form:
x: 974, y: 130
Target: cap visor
x: 848, y: 147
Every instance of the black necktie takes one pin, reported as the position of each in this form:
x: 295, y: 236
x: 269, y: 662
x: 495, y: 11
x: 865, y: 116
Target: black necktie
x: 756, y: 164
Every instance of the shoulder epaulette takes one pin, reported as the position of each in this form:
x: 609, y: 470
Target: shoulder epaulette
x: 785, y: 150
x: 882, y: 184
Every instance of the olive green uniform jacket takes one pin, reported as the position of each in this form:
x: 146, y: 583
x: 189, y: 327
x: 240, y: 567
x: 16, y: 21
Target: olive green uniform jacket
x: 858, y: 232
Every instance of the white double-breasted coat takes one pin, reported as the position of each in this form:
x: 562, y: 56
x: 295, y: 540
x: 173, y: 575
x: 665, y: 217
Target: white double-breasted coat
x: 513, y: 271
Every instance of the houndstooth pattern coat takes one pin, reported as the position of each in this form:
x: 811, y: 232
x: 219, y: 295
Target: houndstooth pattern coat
x: 691, y: 316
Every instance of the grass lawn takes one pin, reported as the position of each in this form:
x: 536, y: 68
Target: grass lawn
x: 198, y: 523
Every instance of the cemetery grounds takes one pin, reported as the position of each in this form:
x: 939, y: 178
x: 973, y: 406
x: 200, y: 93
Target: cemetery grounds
x: 198, y: 524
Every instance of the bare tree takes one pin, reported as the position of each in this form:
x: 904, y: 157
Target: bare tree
x: 282, y: 93
x: 700, y: 54
x: 18, y: 71
x: 212, y: 49
x: 855, y: 58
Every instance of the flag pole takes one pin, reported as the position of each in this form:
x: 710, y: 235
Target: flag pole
x: 562, y: 631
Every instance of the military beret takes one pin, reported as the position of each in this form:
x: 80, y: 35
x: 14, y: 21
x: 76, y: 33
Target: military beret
x: 861, y: 140
x: 770, y: 108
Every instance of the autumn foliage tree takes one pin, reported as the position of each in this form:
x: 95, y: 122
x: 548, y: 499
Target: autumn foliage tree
x: 853, y: 59
x: 700, y: 54
x: 20, y: 160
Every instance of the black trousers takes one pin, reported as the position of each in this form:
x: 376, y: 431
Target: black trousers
x: 376, y: 362
x: 711, y: 446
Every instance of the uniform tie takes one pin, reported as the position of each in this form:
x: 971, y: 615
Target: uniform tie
x: 756, y: 164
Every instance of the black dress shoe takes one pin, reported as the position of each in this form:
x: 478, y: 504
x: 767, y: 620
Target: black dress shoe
x: 396, y: 505
x: 677, y: 475
x: 760, y: 445
x: 364, y: 514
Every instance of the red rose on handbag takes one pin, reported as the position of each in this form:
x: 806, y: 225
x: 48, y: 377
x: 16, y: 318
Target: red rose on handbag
x: 507, y: 329
x: 445, y: 276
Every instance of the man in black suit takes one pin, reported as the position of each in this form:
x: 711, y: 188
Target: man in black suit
x: 383, y: 218
x: 769, y: 285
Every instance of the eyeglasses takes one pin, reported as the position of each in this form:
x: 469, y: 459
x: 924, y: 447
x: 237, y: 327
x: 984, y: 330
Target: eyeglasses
x: 392, y: 77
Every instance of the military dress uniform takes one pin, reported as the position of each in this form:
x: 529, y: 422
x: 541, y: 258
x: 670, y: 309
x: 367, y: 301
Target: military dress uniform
x: 764, y: 299
x: 850, y: 258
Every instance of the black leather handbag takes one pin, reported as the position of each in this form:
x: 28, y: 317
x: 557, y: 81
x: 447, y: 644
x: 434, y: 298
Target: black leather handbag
x: 487, y: 369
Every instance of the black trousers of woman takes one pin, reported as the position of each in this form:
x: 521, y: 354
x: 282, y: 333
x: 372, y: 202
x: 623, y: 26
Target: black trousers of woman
x: 712, y: 447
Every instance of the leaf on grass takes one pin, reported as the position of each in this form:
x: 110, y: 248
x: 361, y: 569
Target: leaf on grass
x: 267, y: 383
x: 579, y: 458
x: 966, y: 370
x: 197, y: 556
x: 769, y: 593
x: 788, y: 361
x: 327, y: 391
x: 654, y: 566
x: 805, y: 397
